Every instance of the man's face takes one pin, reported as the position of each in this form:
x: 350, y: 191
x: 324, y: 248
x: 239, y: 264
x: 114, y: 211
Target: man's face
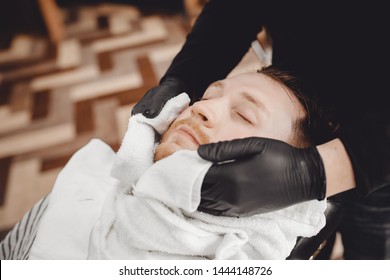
x: 244, y: 105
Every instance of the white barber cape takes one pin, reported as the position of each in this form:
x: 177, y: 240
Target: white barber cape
x: 122, y: 206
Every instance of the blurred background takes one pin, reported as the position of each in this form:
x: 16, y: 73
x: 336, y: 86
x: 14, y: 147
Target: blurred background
x: 71, y: 71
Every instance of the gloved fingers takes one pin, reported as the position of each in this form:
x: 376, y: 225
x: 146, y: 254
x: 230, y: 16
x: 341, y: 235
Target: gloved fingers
x: 151, y: 104
x: 211, y: 207
x: 157, y: 104
x: 156, y: 98
x: 220, y: 184
x: 139, y: 108
x: 144, y: 105
x: 234, y: 149
x: 153, y: 112
x: 170, y: 111
x: 211, y: 187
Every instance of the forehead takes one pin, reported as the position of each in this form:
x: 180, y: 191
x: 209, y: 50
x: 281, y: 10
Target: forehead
x: 258, y: 82
x: 272, y: 93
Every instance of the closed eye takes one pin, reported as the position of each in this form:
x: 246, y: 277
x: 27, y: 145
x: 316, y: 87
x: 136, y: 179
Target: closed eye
x: 244, y: 118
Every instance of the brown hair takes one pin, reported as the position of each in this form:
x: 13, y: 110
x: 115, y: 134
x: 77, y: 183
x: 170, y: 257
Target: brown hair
x: 315, y: 127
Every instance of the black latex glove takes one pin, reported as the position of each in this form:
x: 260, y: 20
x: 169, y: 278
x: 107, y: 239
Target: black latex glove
x: 266, y: 175
x: 154, y: 100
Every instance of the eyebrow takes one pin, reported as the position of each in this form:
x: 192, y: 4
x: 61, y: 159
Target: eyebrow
x: 245, y: 95
x: 253, y: 100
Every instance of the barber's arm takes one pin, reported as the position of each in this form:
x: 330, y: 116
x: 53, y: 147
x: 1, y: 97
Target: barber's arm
x: 221, y: 35
x: 338, y: 167
x: 360, y: 156
x: 267, y: 174
x: 367, y: 142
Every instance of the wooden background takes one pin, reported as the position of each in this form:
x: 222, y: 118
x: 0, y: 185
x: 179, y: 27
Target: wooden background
x: 56, y: 96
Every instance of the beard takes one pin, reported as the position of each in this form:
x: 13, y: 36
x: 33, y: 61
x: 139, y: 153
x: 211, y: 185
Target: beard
x: 171, y: 142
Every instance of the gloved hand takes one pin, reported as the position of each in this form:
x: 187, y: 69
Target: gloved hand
x: 266, y: 175
x: 154, y: 100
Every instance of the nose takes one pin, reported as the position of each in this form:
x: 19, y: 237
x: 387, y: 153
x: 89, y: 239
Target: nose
x: 203, y: 113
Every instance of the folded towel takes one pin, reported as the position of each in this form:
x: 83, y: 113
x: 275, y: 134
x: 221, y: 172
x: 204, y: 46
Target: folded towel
x: 135, y: 155
x: 151, y: 213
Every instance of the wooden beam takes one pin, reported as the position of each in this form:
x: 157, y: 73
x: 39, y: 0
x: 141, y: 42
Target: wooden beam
x: 53, y: 19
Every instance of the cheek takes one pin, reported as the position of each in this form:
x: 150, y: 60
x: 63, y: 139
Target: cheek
x: 186, y: 113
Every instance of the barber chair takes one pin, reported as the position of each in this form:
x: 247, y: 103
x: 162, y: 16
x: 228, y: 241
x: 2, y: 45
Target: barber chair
x: 310, y: 248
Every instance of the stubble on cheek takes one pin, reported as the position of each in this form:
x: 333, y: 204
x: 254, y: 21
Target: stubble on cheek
x: 171, y: 143
x: 164, y: 150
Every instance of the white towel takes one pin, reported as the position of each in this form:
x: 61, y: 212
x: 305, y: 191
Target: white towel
x: 75, y: 204
x: 135, y: 155
x: 151, y: 213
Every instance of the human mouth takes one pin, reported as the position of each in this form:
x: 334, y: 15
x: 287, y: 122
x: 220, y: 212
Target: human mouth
x: 189, y: 134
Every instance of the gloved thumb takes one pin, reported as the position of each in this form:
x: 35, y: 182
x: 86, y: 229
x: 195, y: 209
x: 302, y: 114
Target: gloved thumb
x: 234, y: 149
